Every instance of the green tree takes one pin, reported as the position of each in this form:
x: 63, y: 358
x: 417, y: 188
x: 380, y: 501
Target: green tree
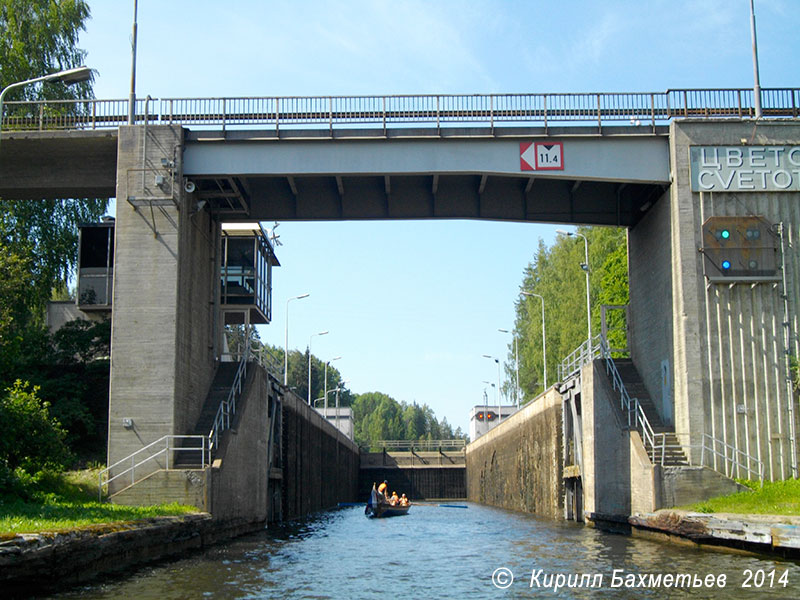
x: 556, y: 275
x: 38, y: 37
x: 29, y: 438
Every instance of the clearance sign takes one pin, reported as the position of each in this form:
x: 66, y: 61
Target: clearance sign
x: 745, y: 168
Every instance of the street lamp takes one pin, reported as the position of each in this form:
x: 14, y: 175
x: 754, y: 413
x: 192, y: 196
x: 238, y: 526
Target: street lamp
x: 326, y: 379
x: 499, y: 406
x: 756, y: 78
x: 309, y: 361
x: 585, y: 267
x: 132, y: 96
x: 67, y: 77
x: 544, y: 341
x: 286, y: 340
x: 516, y: 363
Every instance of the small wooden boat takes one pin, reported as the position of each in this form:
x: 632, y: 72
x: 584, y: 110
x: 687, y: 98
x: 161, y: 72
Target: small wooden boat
x: 377, y: 508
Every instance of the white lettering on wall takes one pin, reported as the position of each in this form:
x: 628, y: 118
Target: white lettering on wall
x: 745, y: 168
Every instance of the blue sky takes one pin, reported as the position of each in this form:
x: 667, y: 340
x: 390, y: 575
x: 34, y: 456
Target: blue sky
x: 412, y: 306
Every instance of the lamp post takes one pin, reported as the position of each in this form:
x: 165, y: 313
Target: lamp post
x: 309, y: 361
x: 499, y: 406
x: 132, y: 97
x: 286, y: 340
x: 544, y: 341
x: 326, y: 380
x: 67, y: 77
x: 585, y: 267
x: 756, y: 77
x: 516, y: 364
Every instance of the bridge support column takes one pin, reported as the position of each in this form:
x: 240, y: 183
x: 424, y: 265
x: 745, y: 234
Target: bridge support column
x: 162, y: 354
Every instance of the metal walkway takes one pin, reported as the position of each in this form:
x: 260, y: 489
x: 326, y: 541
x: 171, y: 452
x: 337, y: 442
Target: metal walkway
x: 440, y: 111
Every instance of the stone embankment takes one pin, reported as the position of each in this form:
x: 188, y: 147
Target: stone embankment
x: 772, y: 534
x: 38, y: 562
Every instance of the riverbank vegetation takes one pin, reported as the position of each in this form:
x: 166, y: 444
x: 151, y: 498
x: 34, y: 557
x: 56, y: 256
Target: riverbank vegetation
x: 774, y: 498
x: 51, y: 501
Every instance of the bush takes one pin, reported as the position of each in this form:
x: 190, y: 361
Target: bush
x: 29, y: 438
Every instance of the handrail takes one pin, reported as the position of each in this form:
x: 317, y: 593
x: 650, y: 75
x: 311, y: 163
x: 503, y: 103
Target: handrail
x: 631, y: 408
x: 162, y: 446
x: 640, y: 109
x: 227, y: 408
x: 732, y: 457
x: 637, y: 419
x: 409, y: 445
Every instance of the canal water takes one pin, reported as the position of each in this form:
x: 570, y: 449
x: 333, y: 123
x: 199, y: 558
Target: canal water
x: 440, y: 552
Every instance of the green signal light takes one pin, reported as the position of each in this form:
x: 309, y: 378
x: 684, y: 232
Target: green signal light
x: 724, y: 234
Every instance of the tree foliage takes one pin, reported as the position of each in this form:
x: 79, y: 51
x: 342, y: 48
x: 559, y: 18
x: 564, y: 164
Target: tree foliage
x: 30, y: 438
x: 556, y: 275
x: 38, y: 37
x: 377, y: 416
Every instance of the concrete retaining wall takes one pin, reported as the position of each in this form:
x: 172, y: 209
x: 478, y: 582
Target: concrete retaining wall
x: 33, y: 563
x: 320, y: 464
x: 518, y: 465
x: 238, y: 480
x: 418, y: 483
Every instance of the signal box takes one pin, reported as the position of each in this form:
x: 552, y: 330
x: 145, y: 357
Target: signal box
x: 740, y: 249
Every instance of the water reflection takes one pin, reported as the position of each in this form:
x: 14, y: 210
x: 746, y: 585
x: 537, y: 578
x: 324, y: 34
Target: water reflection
x: 433, y: 553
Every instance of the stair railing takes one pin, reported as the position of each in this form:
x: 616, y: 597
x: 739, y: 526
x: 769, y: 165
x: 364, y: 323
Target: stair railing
x: 163, y: 446
x: 227, y: 408
x: 637, y: 419
x: 732, y: 458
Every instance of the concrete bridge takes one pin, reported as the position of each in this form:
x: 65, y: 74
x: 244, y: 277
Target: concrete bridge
x: 708, y: 193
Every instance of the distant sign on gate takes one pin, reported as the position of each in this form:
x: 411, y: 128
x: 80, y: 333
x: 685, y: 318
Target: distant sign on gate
x: 541, y: 156
x: 745, y: 168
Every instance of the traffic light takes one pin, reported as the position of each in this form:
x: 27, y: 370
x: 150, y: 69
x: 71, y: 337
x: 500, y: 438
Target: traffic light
x: 739, y: 249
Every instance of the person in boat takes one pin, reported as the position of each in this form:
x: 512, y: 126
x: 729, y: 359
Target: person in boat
x: 404, y: 500
x: 395, y: 499
x: 382, y: 490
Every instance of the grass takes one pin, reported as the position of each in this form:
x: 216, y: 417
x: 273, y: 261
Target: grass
x: 69, y: 501
x: 775, y: 498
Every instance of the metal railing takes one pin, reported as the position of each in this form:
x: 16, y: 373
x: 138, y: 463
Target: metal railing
x: 411, y: 445
x: 637, y: 419
x: 631, y: 409
x: 583, y: 354
x: 712, y: 451
x: 162, y: 447
x: 227, y: 408
x: 380, y: 112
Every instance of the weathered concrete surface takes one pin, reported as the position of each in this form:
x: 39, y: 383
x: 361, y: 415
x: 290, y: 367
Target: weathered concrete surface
x: 418, y: 482
x: 320, y: 464
x: 239, y: 478
x: 162, y: 358
x: 759, y: 533
x: 728, y: 343
x: 186, y: 487
x: 518, y: 465
x: 58, y: 164
x: 607, y: 442
x: 31, y: 563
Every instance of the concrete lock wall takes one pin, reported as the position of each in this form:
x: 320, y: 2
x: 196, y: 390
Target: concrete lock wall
x: 650, y: 333
x: 417, y: 483
x: 730, y: 343
x: 320, y: 464
x: 161, y: 341
x: 518, y: 464
x: 239, y: 477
